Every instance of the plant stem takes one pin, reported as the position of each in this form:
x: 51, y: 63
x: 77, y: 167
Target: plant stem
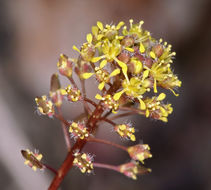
x: 50, y: 168
x: 108, y: 121
x: 132, y: 109
x: 68, y: 162
x: 106, y: 166
x: 122, y: 115
x: 65, y: 130
x: 92, y: 139
x: 89, y: 101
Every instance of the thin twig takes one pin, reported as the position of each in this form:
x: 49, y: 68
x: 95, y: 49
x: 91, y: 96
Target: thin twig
x: 92, y: 139
x: 108, y: 121
x: 50, y: 168
x: 64, y: 123
x: 122, y: 115
x: 106, y: 166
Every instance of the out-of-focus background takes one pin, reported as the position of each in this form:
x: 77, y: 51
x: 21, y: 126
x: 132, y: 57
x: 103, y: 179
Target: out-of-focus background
x: 33, y: 34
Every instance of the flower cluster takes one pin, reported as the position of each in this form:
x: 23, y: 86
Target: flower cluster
x: 84, y: 162
x: 132, y: 71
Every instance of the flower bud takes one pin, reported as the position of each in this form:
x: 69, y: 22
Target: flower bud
x: 126, y: 131
x: 73, y: 94
x: 83, y: 161
x: 65, y: 65
x: 139, y: 152
x: 158, y: 50
x: 33, y: 160
x: 127, y: 41
x: 44, y: 106
x: 78, y: 130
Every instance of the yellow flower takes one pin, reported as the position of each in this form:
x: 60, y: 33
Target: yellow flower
x: 44, y: 106
x: 83, y: 161
x: 126, y: 131
x: 108, y: 102
x: 139, y: 152
x: 102, y: 75
x: 156, y: 109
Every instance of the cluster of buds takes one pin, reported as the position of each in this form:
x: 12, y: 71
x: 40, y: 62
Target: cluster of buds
x: 126, y: 131
x: 83, y: 161
x: 131, y: 68
x: 132, y: 169
x: 139, y: 152
x: 108, y: 102
x: 78, y: 130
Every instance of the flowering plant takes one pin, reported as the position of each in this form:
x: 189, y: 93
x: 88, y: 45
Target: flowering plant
x: 130, y: 68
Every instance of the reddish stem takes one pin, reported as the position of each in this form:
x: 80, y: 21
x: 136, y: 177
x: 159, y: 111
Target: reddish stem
x: 91, y: 139
x: 64, y: 123
x: 68, y: 162
x: 106, y: 166
x: 50, y: 168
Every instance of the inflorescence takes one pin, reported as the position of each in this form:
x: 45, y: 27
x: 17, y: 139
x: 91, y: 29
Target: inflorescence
x: 131, y: 68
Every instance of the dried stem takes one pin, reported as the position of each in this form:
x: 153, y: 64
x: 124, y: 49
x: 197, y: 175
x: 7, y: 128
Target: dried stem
x: 92, y: 139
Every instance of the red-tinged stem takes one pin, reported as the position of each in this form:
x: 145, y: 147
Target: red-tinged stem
x: 65, y: 131
x: 92, y: 139
x: 73, y: 82
x: 132, y: 110
x: 68, y: 162
x: 90, y: 101
x: 86, y: 107
x: 66, y: 165
x: 61, y: 118
x: 122, y: 115
x: 50, y: 168
x: 108, y: 121
x: 106, y: 166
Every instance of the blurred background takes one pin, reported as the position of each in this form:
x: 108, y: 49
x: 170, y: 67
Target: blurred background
x: 34, y: 33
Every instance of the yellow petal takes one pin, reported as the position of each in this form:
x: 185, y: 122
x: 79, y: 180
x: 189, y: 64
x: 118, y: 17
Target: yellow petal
x: 152, y: 54
x: 100, y: 25
x: 142, y: 104
x: 161, y: 97
x: 75, y: 48
x: 98, y: 96
x: 103, y: 63
x: 132, y: 138
x: 101, y: 85
x: 114, y: 73
x: 141, y: 48
x: 138, y: 67
x: 120, y: 25
x: 145, y: 74
x: 96, y: 59
x: 118, y: 95
x: 124, y: 68
x: 87, y: 75
x: 129, y: 49
x: 94, y: 30
x: 89, y: 38
x: 99, y: 36
x: 147, y: 113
